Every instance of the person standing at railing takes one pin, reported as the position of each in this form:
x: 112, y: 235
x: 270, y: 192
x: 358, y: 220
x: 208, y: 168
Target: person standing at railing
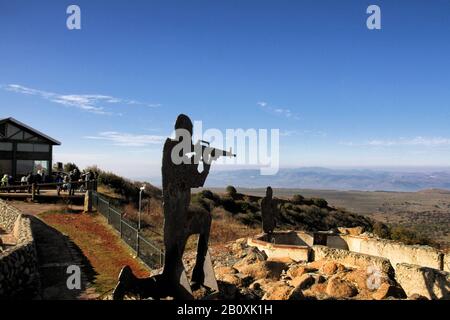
x: 37, y: 181
x: 30, y: 181
x: 59, y: 182
x: 5, y: 180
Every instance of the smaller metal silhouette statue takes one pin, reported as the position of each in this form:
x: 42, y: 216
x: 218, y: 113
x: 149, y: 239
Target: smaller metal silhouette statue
x: 269, y: 212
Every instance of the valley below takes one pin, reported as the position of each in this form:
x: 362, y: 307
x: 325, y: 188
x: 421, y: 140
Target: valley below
x: 426, y: 212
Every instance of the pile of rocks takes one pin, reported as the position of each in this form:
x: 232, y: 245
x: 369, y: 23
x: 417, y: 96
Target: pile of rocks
x: 245, y: 273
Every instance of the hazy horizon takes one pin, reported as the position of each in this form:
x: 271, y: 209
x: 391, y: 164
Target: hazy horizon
x: 340, y: 94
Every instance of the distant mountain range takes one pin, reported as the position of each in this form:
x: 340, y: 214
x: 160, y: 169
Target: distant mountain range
x: 335, y: 179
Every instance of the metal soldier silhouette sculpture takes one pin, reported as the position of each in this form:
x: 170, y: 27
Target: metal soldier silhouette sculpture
x: 269, y: 211
x: 179, y: 174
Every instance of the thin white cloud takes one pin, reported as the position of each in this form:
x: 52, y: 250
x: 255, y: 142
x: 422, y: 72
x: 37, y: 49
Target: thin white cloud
x: 93, y: 103
x: 417, y: 141
x: 287, y: 113
x: 311, y: 133
x: 128, y: 139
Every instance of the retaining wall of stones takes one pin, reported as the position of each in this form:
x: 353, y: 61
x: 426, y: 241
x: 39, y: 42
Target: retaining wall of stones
x: 19, y: 274
x: 396, y: 252
x: 447, y: 262
x: 427, y: 282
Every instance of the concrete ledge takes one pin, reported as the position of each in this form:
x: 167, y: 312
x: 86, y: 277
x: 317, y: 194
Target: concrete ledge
x: 446, y: 262
x: 428, y: 282
x: 352, y: 259
x: 395, y: 251
x: 280, y: 251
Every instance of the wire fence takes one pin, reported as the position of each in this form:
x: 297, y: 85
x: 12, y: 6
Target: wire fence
x: 145, y: 249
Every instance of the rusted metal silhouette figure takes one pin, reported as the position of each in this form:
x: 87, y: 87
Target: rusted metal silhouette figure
x: 269, y: 212
x: 179, y: 221
x: 179, y: 174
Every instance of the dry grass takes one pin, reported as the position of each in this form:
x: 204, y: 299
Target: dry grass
x: 99, y: 243
x: 107, y: 191
x: 225, y: 228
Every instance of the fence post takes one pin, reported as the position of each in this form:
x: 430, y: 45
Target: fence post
x: 109, y: 214
x: 137, y: 244
x: 33, y: 191
x: 120, y: 223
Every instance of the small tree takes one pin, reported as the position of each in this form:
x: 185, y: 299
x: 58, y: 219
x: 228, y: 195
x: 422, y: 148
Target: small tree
x: 321, y: 203
x: 231, y: 191
x: 297, y: 199
x: 69, y: 166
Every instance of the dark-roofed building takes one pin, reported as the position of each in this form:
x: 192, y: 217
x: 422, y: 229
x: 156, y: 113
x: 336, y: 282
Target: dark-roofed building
x: 24, y: 149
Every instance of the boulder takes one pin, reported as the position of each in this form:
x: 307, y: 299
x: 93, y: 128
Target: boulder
x: 251, y: 256
x: 303, y: 282
x: 316, y: 265
x: 362, y: 279
x: 278, y: 291
x: 227, y: 291
x: 297, y: 271
x: 239, y: 247
x: 318, y: 289
x: 296, y: 294
x: 356, y: 231
x: 230, y: 278
x: 339, y: 288
x: 262, y: 269
x: 224, y: 270
x: 386, y: 290
x: 329, y: 268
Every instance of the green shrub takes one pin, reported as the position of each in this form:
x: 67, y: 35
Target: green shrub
x: 321, y: 203
x: 69, y: 166
x: 229, y: 204
x: 381, y: 230
x: 297, y: 199
x: 231, y: 191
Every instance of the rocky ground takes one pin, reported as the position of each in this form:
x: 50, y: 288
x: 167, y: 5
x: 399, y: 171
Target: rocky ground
x: 245, y: 273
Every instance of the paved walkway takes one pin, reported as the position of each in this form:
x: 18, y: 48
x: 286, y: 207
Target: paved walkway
x: 56, y: 253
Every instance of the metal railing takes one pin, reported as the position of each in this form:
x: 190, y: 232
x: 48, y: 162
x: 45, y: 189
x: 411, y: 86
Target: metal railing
x: 144, y: 248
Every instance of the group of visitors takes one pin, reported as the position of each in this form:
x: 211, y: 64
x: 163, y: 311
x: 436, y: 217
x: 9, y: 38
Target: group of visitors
x: 26, y: 180
x: 70, y: 182
x: 85, y: 180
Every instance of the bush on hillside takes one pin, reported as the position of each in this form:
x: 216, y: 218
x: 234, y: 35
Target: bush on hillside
x: 297, y: 199
x: 231, y: 191
x: 69, y: 166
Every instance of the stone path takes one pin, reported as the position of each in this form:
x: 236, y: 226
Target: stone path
x: 56, y: 253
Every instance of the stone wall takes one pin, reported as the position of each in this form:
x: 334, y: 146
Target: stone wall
x: 396, y: 252
x: 19, y: 275
x: 294, y: 246
x: 427, y: 282
x: 352, y: 259
x: 8, y: 216
x: 447, y: 262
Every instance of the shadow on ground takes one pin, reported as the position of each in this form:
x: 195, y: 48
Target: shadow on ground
x: 55, y: 253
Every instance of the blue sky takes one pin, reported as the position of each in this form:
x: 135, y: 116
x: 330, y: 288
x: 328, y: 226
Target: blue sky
x: 341, y: 95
